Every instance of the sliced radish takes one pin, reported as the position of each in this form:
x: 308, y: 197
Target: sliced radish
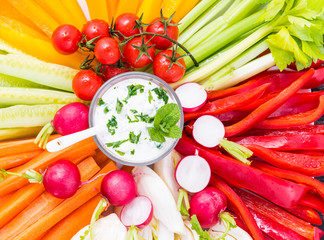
x: 192, y: 96
x: 208, y: 131
x: 193, y: 173
x: 138, y: 212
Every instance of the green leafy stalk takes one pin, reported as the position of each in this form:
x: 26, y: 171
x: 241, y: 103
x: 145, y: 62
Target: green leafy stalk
x: 43, y: 136
x: 102, y: 205
x: 31, y: 175
x: 183, y: 204
x: 132, y: 234
x: 236, y: 150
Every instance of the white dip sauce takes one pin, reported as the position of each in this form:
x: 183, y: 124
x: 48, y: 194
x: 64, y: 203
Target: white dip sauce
x: 129, y: 120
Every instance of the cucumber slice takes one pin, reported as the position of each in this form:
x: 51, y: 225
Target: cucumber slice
x: 15, y: 133
x: 27, y: 116
x: 29, y: 96
x: 34, y: 70
x: 10, y: 81
x: 7, y: 48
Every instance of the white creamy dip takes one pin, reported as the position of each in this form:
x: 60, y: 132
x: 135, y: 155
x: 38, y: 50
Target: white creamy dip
x: 133, y: 119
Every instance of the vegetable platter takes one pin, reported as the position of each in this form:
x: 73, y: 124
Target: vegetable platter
x: 202, y: 115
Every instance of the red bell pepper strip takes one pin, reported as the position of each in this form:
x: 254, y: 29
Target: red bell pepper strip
x: 316, y: 64
x: 228, y: 103
x: 302, y: 163
x: 302, y: 130
x: 294, y: 120
x: 280, y: 191
x: 240, y: 207
x: 312, y: 142
x: 313, y: 200
x: 306, y: 213
x: 276, y: 214
x: 278, y: 80
x: 291, y: 175
x: 263, y: 111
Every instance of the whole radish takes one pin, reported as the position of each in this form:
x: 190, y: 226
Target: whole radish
x: 71, y: 118
x: 62, y: 179
x: 208, y: 205
x: 118, y: 187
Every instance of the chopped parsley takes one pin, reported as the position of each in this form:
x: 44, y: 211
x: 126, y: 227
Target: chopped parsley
x: 145, y: 118
x: 161, y: 94
x: 106, y: 110
x: 133, y: 138
x: 132, y: 152
x: 132, y: 90
x: 132, y: 121
x: 150, y: 98
x: 101, y: 102
x: 133, y: 111
x: 116, y: 144
x: 112, y: 125
x: 120, y: 153
x: 119, y: 106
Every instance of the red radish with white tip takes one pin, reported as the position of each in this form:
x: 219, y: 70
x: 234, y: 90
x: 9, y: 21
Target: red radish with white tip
x: 208, y: 131
x: 208, y: 205
x: 138, y: 212
x: 118, y: 187
x: 62, y: 179
x: 193, y: 173
x: 192, y: 96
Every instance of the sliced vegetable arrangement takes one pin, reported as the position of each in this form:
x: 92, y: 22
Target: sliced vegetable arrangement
x: 245, y: 162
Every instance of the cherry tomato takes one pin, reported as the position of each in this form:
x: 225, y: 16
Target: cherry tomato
x: 125, y: 24
x: 131, y: 54
x: 161, y: 65
x: 157, y: 27
x: 107, y: 51
x: 65, y: 39
x: 85, y: 84
x: 95, y: 28
x: 111, y: 71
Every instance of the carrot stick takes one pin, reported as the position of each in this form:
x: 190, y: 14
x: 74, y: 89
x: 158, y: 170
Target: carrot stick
x: 44, y: 159
x: 84, y: 194
x: 17, y: 160
x: 70, y: 225
x: 101, y: 159
x: 21, y: 146
x: 5, y: 198
x: 44, y: 204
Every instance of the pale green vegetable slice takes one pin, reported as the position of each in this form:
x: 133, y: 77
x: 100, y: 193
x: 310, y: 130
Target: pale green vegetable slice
x: 15, y: 133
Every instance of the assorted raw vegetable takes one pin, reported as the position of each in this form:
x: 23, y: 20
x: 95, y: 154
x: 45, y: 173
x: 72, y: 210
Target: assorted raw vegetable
x: 244, y: 167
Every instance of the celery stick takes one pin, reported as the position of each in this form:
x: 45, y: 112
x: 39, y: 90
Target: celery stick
x: 195, y: 13
x: 202, y: 21
x: 37, y: 71
x: 248, y: 70
x: 237, y: 11
x: 10, y: 81
x: 29, y: 96
x: 15, y: 133
x: 211, y: 46
x: 27, y: 116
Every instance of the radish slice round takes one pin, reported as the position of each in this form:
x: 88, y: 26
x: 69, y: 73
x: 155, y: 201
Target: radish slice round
x: 208, y: 131
x: 138, y: 212
x: 193, y: 173
x: 192, y: 96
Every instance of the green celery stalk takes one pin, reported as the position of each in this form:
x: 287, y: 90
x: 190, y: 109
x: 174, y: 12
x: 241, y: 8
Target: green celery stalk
x: 10, y: 81
x: 202, y: 20
x: 201, y: 7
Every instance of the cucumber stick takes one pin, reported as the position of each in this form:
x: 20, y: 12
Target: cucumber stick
x: 48, y: 74
x: 14, y: 133
x: 27, y: 116
x: 10, y: 81
x: 29, y: 96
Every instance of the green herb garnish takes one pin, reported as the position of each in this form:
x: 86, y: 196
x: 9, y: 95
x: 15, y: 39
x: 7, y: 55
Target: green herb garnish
x: 133, y: 138
x: 101, y: 102
x: 112, y: 125
x: 120, y: 153
x: 164, y: 124
x: 150, y: 98
x: 145, y: 118
x: 132, y: 90
x: 132, y: 121
x: 133, y: 152
x: 133, y: 111
x: 106, y: 110
x: 161, y: 94
x: 116, y: 144
x: 119, y: 106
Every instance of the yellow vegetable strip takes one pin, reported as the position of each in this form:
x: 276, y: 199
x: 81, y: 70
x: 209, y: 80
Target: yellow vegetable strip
x: 150, y: 10
x: 171, y: 6
x: 126, y: 6
x: 75, y: 10
x: 35, y: 13
x: 185, y: 8
x: 112, y: 8
x: 98, y: 9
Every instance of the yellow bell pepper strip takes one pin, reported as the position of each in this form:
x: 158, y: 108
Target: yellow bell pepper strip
x: 7, y: 10
x: 112, y: 8
x: 36, y: 14
x: 171, y: 6
x: 75, y: 10
x: 20, y: 27
x: 37, y: 47
x: 57, y: 10
x: 182, y: 11
x: 126, y: 6
x: 150, y: 10
x: 98, y: 9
